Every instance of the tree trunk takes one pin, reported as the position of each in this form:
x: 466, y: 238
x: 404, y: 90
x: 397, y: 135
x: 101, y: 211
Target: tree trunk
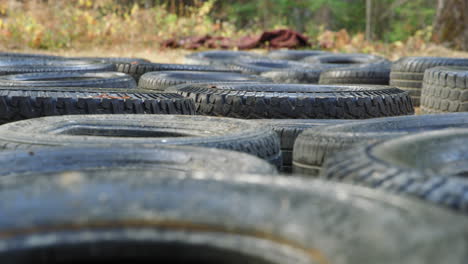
x: 451, y: 23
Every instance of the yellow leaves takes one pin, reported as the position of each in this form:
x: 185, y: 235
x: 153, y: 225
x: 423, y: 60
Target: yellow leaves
x: 85, y: 3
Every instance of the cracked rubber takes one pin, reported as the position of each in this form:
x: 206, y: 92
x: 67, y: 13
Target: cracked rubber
x: 69, y: 79
x: 288, y: 130
x: 181, y: 158
x: 313, y: 147
x: 217, y: 57
x: 143, y: 131
x: 431, y: 166
x: 159, y: 81
x: 282, y: 101
x: 164, y: 216
x: 294, y: 55
x: 407, y: 73
x: 445, y: 89
x: 24, y: 103
x: 136, y: 70
x: 378, y: 74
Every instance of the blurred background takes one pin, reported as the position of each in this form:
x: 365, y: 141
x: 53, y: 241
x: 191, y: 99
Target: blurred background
x: 392, y: 28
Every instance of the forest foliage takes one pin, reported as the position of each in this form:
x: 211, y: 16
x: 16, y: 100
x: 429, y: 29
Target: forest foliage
x: 52, y: 24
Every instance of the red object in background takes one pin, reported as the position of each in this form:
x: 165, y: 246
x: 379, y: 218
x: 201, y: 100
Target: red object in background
x: 281, y: 38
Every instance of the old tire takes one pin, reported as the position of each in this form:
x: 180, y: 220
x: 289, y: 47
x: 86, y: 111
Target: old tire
x: 259, y: 66
x: 159, y: 81
x: 69, y: 79
x: 345, y: 59
x: 294, y: 55
x: 144, y: 131
x: 378, y: 74
x: 445, y: 89
x: 154, y: 216
x: 52, y: 65
x: 217, y: 57
x: 296, y: 101
x: 24, y: 103
x: 407, y: 73
x: 431, y: 166
x: 313, y: 147
x: 306, y: 75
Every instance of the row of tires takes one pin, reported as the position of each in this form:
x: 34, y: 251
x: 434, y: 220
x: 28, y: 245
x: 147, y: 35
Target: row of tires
x: 87, y: 184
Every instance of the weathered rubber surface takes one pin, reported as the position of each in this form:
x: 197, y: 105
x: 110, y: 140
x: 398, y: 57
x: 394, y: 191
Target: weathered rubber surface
x: 431, y: 166
x: 288, y: 130
x: 407, y: 73
x: 160, y: 81
x: 313, y: 147
x: 114, y: 60
x: 161, y: 216
x: 217, y: 57
x: 136, y: 70
x: 445, y: 89
x: 143, y: 131
x: 295, y: 101
x: 181, y: 158
x: 31, y: 102
x: 28, y: 65
x: 259, y: 66
x: 345, y: 59
x: 378, y: 74
x: 70, y: 79
x: 306, y: 75
x: 17, y: 55
x: 294, y: 55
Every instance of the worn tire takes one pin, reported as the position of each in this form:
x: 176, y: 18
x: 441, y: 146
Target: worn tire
x: 445, y: 89
x: 144, y: 131
x: 114, y: 60
x: 309, y: 75
x: 17, y: 55
x: 431, y: 166
x: 52, y: 65
x: 313, y: 147
x: 154, y: 216
x: 407, y: 73
x: 24, y: 103
x: 294, y: 55
x: 378, y: 74
x: 217, y: 57
x: 160, y: 81
x: 69, y: 79
x: 259, y: 66
x: 182, y: 158
x: 136, y: 70
x: 345, y: 59
x: 296, y: 101
x: 288, y: 130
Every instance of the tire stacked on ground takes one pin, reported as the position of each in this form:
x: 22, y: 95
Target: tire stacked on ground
x: 407, y: 73
x: 13, y: 65
x: 445, y: 89
x: 376, y: 74
x: 19, y: 103
x: 294, y: 55
x: 218, y: 57
x: 160, y: 81
x: 141, y: 131
x: 136, y: 70
x: 69, y: 79
x: 313, y: 147
x: 345, y: 60
x: 431, y: 166
x: 295, y: 101
x: 152, y: 216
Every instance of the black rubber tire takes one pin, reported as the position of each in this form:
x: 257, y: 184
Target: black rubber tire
x: 345, y: 59
x: 24, y: 103
x: 294, y: 55
x: 217, y: 57
x: 288, y: 130
x: 259, y: 66
x: 431, y: 166
x: 136, y: 70
x: 445, y: 89
x: 309, y: 75
x: 182, y: 158
x: 144, y: 131
x: 69, y: 79
x: 52, y: 65
x: 296, y: 101
x: 378, y: 74
x: 407, y: 73
x: 313, y: 147
x: 160, y: 81
x: 153, y: 216
x: 17, y: 55
x: 114, y: 60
